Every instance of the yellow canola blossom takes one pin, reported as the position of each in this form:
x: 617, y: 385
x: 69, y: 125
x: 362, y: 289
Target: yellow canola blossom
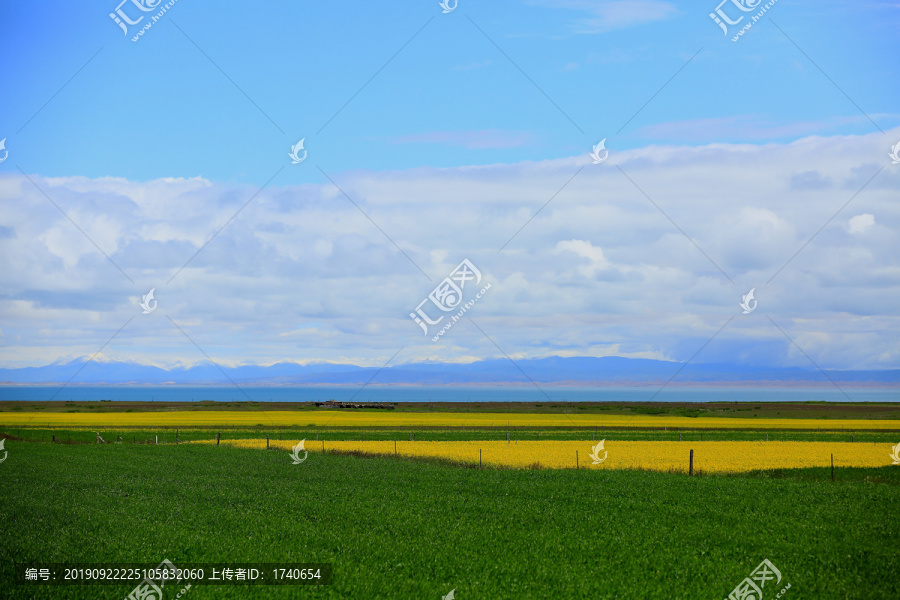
x: 303, y: 418
x: 709, y: 457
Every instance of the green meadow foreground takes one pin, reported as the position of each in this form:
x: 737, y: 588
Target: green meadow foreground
x: 399, y: 528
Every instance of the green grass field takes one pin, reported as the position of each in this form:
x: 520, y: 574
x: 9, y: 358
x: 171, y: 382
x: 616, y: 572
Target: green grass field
x: 402, y: 528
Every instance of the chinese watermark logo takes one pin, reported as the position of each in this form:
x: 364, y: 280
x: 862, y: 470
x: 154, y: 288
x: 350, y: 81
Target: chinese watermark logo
x: 895, y: 153
x: 6, y: 152
x: 751, y: 587
x: 746, y: 302
x: 146, y: 300
x: 447, y: 297
x: 152, y: 589
x: 295, y: 153
x: 295, y: 455
x: 595, y: 455
x: 451, y: 595
x: 600, y: 153
x: 5, y: 452
x: 448, y: 7
x: 33, y: 574
x: 722, y: 19
x: 895, y: 456
x: 123, y: 20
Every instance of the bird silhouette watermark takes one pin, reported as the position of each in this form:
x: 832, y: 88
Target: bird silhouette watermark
x: 296, y: 158
x: 746, y: 301
x: 295, y: 455
x: 146, y: 299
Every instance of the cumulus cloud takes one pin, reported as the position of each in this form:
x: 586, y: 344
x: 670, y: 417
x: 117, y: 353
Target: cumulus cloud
x: 300, y: 273
x: 595, y: 260
x: 861, y: 223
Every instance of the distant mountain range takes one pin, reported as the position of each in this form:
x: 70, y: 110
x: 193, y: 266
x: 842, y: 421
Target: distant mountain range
x: 581, y: 371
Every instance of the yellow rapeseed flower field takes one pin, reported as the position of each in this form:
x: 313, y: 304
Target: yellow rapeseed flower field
x: 284, y: 418
x: 709, y: 457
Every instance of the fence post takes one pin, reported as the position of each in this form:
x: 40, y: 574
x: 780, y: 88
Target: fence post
x: 576, y: 459
x: 479, y: 457
x: 176, y: 435
x: 395, y: 447
x: 507, y: 437
x: 217, y: 438
x: 156, y: 440
x: 267, y: 441
x: 832, y: 467
x: 679, y: 437
x: 767, y: 437
x: 323, y: 446
x: 691, y: 467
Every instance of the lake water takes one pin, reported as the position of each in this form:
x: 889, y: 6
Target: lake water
x: 445, y: 394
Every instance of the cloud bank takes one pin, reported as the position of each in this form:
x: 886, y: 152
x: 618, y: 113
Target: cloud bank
x: 646, y: 255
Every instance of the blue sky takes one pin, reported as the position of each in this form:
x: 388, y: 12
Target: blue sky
x: 159, y: 108
x: 450, y: 132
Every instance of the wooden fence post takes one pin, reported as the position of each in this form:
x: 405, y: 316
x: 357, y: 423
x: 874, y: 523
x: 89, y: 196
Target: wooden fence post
x: 507, y: 437
x: 832, y: 467
x: 576, y: 459
x: 395, y: 447
x: 323, y: 446
x: 679, y: 437
x: 479, y: 457
x: 267, y: 441
x: 176, y: 435
x: 156, y: 439
x: 691, y: 467
x: 767, y: 437
x: 217, y: 438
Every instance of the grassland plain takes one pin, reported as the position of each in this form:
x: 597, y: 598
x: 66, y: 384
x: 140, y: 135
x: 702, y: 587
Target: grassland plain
x: 398, y: 528
x: 709, y: 457
x: 282, y: 418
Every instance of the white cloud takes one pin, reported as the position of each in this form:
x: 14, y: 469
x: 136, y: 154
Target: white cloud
x: 300, y: 274
x: 595, y: 260
x: 861, y: 223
